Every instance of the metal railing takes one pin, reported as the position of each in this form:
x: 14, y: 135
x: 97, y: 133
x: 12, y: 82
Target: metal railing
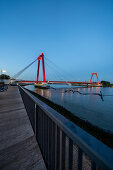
x: 64, y: 145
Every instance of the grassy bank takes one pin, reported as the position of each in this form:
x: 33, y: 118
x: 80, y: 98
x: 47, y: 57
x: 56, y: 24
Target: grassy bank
x: 100, y: 134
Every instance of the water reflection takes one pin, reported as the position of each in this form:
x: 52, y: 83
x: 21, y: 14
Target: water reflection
x: 88, y: 107
x: 62, y: 95
x: 97, y: 89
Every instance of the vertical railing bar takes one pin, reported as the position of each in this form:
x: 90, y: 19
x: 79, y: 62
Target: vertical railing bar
x: 58, y: 149
x: 44, y: 135
x: 30, y: 108
x: 79, y: 165
x: 51, y: 150
x: 42, y: 132
x: 48, y: 142
x: 39, y: 122
x: 41, y: 129
x: 47, y: 139
x: 35, y: 121
x: 50, y: 132
x: 63, y: 149
x: 37, y: 125
x: 93, y: 165
x: 53, y: 146
x: 70, y: 155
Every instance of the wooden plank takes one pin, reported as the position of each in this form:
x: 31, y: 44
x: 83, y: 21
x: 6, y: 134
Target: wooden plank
x: 21, y: 155
x: 18, y: 146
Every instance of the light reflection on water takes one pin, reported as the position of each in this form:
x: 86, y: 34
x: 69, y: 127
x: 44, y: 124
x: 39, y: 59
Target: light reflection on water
x: 87, y: 107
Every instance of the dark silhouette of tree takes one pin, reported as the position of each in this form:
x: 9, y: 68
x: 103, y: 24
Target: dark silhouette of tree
x: 4, y: 76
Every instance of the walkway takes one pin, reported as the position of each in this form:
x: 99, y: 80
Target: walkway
x: 18, y: 146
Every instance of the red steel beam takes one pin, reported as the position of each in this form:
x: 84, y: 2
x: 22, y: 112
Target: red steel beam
x: 41, y: 57
x: 23, y: 81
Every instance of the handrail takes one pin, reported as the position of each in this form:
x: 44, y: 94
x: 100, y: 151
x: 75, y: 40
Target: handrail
x: 98, y: 152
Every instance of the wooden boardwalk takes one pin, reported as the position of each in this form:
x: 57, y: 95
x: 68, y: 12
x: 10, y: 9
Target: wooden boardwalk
x: 18, y: 146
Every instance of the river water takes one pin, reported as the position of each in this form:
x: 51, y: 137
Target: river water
x: 90, y: 107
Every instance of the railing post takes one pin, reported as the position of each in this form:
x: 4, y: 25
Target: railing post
x: 70, y: 155
x: 93, y: 165
x: 46, y: 138
x: 58, y: 149
x: 35, y: 121
x: 63, y: 149
x: 50, y: 143
x: 79, y: 159
x: 53, y: 146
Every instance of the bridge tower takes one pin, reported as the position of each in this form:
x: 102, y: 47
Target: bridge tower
x: 96, y: 77
x: 41, y: 57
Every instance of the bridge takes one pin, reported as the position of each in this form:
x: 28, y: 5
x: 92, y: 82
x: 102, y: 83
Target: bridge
x: 41, y: 58
x: 47, y: 140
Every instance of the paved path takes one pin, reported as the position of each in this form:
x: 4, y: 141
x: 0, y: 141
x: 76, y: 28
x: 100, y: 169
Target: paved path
x: 18, y: 146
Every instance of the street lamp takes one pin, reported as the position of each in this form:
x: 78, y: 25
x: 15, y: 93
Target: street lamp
x: 3, y: 71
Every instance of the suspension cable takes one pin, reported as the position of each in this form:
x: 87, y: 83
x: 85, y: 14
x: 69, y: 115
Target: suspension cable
x: 60, y: 68
x: 21, y: 71
x: 58, y: 73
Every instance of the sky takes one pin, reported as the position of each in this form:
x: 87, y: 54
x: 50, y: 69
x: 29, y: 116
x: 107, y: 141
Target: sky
x: 76, y: 35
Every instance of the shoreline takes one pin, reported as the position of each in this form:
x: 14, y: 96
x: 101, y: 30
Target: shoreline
x: 104, y: 136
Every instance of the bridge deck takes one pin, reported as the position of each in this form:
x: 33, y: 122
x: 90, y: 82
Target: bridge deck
x: 18, y: 146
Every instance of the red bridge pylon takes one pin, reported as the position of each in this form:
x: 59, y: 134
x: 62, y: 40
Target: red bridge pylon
x: 96, y: 77
x: 41, y: 57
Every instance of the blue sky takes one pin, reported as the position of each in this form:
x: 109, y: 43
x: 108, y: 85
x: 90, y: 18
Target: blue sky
x: 77, y: 35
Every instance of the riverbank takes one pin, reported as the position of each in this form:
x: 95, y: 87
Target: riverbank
x: 105, y: 136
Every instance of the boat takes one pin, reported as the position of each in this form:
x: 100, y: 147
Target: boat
x: 42, y: 85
